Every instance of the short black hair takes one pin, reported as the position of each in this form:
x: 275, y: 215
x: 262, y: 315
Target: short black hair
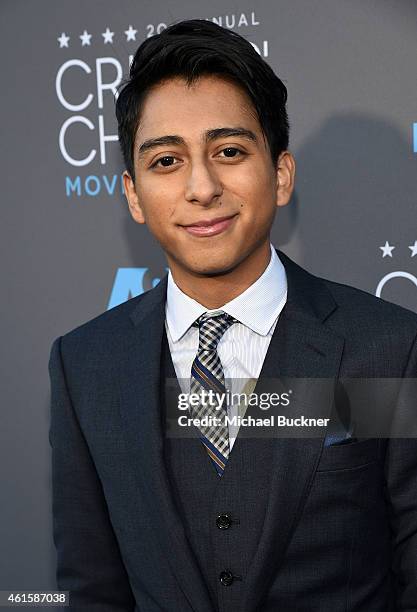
x: 191, y: 49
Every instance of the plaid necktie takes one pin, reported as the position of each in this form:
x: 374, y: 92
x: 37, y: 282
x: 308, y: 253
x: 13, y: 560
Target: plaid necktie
x: 207, y: 373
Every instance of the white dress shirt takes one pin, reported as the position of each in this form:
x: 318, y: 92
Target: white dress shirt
x: 243, y: 346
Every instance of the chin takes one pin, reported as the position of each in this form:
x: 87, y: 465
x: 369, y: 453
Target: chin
x: 216, y: 268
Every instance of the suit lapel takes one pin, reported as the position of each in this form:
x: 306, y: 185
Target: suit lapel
x: 302, y: 346
x: 139, y: 377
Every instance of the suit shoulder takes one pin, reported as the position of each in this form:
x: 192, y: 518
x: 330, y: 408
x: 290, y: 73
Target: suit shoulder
x: 357, y: 311
x: 110, y: 323
x: 363, y: 306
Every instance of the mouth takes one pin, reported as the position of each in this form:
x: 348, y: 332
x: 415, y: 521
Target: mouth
x: 210, y: 227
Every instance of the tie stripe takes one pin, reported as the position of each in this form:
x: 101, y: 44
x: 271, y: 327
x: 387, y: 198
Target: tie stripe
x: 218, y: 459
x: 207, y: 373
x: 205, y: 377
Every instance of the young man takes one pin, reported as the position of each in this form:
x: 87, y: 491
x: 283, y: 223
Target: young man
x: 219, y: 521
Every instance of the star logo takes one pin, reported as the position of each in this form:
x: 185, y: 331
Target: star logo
x: 387, y: 249
x: 63, y: 40
x: 85, y: 38
x: 413, y: 248
x: 108, y: 36
x: 130, y: 34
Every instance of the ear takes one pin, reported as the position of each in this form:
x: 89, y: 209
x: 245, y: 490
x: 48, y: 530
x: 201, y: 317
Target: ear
x: 285, y: 170
x: 132, y: 199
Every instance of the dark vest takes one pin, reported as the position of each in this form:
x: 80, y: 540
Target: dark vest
x: 223, y: 516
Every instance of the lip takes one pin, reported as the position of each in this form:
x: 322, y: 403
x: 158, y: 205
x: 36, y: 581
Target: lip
x: 210, y: 227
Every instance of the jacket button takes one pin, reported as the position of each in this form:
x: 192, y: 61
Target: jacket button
x: 226, y: 577
x: 223, y: 521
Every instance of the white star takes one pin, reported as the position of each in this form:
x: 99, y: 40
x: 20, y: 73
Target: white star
x: 85, y: 38
x: 413, y: 248
x: 130, y: 34
x: 108, y: 36
x: 63, y: 40
x: 387, y: 249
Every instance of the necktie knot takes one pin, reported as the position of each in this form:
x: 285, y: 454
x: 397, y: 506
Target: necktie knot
x: 212, y: 327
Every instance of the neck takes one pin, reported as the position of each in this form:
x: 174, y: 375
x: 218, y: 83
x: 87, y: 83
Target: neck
x: 215, y: 291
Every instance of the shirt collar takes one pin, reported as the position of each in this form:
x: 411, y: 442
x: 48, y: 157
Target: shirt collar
x: 257, y: 307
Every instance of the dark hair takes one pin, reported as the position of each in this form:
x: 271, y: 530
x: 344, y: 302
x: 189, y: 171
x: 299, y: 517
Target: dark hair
x: 191, y: 49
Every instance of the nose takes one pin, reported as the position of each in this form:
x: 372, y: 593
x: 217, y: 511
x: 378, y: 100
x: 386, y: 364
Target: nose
x: 203, y: 184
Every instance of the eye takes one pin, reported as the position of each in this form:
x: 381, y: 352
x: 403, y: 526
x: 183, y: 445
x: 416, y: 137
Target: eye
x: 232, y: 152
x: 164, y: 162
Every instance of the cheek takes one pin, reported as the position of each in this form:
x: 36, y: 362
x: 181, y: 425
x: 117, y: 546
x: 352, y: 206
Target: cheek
x: 253, y: 182
x: 256, y: 193
x: 158, y: 204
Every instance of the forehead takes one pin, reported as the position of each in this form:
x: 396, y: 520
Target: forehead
x: 174, y: 107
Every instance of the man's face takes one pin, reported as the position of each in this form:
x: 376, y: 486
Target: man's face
x: 200, y: 156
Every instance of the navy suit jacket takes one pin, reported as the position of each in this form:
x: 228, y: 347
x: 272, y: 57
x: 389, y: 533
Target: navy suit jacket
x: 120, y: 541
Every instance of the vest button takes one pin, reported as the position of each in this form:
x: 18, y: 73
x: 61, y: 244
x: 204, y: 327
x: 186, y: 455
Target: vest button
x: 223, y: 521
x: 226, y: 577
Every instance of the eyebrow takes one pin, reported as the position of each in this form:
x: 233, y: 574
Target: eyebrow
x: 209, y: 136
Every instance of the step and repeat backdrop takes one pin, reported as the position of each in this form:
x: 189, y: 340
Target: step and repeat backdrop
x: 71, y: 249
